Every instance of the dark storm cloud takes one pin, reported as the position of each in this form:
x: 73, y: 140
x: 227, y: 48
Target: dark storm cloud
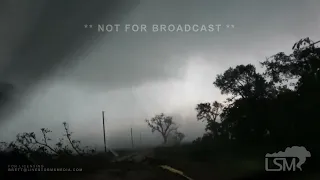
x: 56, y: 33
x: 39, y: 36
x: 131, y: 59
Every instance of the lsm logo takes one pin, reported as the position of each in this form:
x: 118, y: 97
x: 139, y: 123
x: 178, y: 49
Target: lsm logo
x: 289, y: 160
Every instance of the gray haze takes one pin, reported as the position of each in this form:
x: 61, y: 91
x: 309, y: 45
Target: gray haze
x: 64, y: 72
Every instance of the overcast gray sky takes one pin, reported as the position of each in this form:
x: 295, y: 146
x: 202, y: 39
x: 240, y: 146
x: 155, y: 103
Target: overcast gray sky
x: 133, y: 75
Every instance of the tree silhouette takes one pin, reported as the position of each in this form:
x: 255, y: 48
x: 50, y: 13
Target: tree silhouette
x: 243, y: 81
x: 210, y: 113
x: 180, y: 136
x: 176, y: 137
x: 278, y: 106
x: 162, y: 124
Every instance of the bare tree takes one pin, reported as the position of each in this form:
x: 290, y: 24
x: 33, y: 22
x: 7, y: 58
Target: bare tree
x: 162, y: 124
x: 28, y: 143
x: 178, y: 137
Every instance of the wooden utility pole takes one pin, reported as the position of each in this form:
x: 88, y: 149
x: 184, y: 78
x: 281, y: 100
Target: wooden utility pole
x: 104, y: 133
x: 140, y: 139
x: 131, y: 138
